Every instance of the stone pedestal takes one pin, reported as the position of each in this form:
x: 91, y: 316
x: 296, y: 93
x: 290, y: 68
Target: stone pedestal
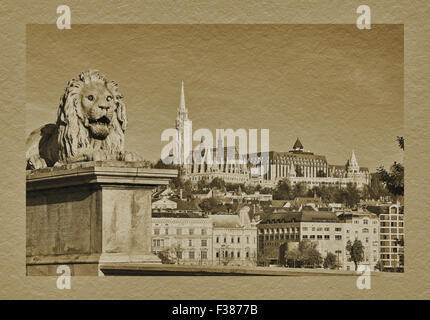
x: 87, y: 214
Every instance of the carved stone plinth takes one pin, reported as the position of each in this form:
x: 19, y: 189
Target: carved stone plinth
x: 86, y: 214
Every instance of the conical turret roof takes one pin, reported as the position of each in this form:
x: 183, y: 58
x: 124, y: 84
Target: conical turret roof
x: 352, y: 162
x: 298, y: 144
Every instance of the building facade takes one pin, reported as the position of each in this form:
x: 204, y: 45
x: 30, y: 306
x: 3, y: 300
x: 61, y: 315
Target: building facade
x: 364, y: 226
x: 211, y: 240
x: 282, y: 231
x: 301, y: 166
x: 234, y: 239
x: 185, y: 240
x: 392, y: 235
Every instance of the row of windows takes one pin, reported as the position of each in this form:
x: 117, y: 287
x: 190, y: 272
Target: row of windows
x: 388, y: 250
x: 319, y: 237
x: 337, y: 229
x: 392, y: 237
x: 160, y: 243
x: 364, y: 230
x: 296, y: 229
x: 390, y: 256
x: 391, y: 217
x: 226, y: 254
x: 305, y: 236
x: 282, y: 237
x: 179, y: 231
x: 280, y: 230
x: 365, y: 221
x: 192, y: 255
x: 232, y: 239
x: 391, y: 224
x: 391, y: 230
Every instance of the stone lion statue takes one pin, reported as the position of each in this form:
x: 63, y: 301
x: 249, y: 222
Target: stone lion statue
x: 91, y: 122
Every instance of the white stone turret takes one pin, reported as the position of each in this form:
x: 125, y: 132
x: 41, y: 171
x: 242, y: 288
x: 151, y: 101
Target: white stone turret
x: 352, y: 164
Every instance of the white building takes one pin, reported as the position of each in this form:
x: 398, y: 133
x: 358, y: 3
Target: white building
x: 234, y: 239
x: 363, y: 226
x: 187, y: 240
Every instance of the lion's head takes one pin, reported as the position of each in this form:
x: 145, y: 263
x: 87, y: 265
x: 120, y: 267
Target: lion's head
x: 91, y: 117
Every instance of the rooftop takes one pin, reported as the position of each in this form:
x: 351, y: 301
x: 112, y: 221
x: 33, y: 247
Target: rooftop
x: 303, y: 216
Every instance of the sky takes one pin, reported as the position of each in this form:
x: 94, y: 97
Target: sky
x: 335, y: 87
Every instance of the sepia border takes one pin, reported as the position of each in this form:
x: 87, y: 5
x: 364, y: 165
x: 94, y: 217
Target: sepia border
x: 414, y: 283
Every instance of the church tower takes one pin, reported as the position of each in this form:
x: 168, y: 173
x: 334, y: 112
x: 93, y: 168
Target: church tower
x: 181, y: 123
x: 182, y: 114
x: 352, y: 164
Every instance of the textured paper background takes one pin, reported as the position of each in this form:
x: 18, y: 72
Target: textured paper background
x: 413, y: 284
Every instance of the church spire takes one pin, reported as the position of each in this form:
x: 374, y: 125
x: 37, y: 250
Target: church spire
x: 352, y: 164
x: 353, y: 161
x: 182, y: 114
x: 182, y: 104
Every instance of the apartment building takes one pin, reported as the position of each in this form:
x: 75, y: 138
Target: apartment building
x: 185, y: 239
x: 207, y: 240
x: 330, y: 231
x: 392, y: 235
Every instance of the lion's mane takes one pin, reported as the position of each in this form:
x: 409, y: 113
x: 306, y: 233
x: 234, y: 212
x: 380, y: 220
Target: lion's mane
x: 74, y: 137
x: 70, y: 140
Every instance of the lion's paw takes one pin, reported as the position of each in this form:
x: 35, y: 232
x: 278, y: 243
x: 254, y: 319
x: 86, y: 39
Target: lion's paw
x: 130, y: 156
x: 98, y: 155
x: 36, y: 162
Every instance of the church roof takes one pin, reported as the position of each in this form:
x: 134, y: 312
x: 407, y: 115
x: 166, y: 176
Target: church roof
x: 298, y: 144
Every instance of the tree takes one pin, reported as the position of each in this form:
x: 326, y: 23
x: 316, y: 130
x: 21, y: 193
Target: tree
x: 306, y: 255
x: 292, y: 258
x: 266, y: 190
x: 326, y: 193
x: 379, y: 265
x: 209, y: 204
x: 283, y: 190
x: 356, y: 252
x: 202, y: 185
x: 309, y: 255
x: 401, y: 142
x: 299, y: 190
x: 376, y: 189
x: 330, y: 261
x: 224, y: 255
x: 166, y: 256
x: 217, y: 183
x: 187, y: 189
x: 394, y: 179
x: 177, y: 251
x: 352, y: 195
